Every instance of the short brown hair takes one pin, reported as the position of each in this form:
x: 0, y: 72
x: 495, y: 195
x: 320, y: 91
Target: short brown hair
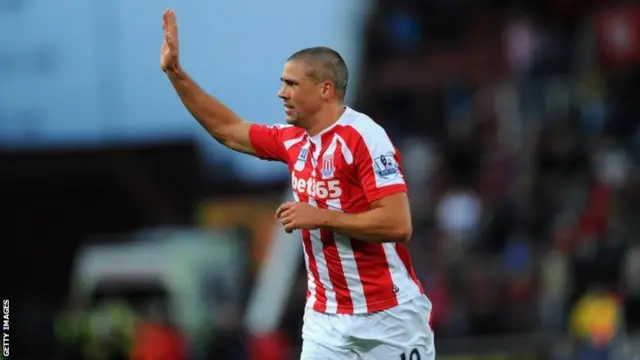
x: 327, y: 65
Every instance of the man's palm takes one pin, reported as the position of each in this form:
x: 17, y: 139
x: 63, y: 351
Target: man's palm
x: 169, y: 52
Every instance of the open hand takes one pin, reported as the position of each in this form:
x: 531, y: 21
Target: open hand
x: 169, y: 52
x: 295, y: 216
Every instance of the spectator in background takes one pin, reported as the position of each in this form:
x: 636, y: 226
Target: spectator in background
x: 484, y: 311
x: 612, y: 166
x: 459, y: 214
x: 592, y: 104
x: 404, y: 28
x: 632, y: 290
x: 522, y: 42
x: 396, y: 30
x: 554, y: 290
x: 156, y: 339
x: 520, y: 290
x: 419, y: 159
x: 595, y: 323
x: 459, y: 210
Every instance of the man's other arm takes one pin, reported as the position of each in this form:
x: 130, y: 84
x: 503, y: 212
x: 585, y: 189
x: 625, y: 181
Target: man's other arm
x: 389, y: 216
x: 388, y: 220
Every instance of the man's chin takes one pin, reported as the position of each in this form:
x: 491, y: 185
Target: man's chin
x: 291, y: 120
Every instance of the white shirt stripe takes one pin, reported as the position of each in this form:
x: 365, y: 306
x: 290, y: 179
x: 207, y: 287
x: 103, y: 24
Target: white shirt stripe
x: 348, y: 260
x: 399, y: 273
x: 323, y: 269
x: 311, y: 281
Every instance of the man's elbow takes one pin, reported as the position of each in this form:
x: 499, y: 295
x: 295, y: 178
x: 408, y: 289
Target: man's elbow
x: 402, y: 232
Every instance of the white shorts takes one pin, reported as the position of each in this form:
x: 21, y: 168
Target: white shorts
x: 400, y: 333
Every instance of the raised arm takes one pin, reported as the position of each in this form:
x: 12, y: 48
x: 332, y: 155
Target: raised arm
x: 217, y: 119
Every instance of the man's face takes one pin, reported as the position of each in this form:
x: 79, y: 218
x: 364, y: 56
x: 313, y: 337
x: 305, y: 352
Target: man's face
x: 301, y: 95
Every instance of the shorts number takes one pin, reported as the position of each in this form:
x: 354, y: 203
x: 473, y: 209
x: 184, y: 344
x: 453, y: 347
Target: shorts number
x: 414, y: 355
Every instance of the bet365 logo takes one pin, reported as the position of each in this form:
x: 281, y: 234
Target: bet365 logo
x: 317, y: 189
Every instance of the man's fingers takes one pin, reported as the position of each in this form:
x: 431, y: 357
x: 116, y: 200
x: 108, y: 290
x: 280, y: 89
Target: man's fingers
x: 279, y: 211
x: 169, y: 24
x: 284, y: 207
x: 168, y: 38
x: 289, y: 227
x: 286, y: 214
x: 288, y: 223
x: 168, y: 17
x: 286, y: 219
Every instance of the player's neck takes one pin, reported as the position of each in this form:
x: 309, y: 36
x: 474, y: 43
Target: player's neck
x: 325, y: 118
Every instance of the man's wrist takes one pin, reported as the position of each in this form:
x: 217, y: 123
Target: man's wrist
x: 173, y: 71
x: 327, y: 219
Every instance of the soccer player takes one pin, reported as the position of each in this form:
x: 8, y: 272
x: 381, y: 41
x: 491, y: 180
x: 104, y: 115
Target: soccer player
x: 351, y: 208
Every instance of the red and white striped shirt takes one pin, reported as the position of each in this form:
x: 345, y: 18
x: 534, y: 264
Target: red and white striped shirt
x: 344, y: 168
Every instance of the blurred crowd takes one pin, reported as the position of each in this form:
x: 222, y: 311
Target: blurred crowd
x: 518, y: 122
x: 519, y: 131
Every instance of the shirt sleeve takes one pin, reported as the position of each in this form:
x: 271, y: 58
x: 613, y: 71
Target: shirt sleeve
x: 378, y: 164
x: 268, y: 143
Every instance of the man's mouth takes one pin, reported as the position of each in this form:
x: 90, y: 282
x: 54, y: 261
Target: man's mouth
x: 288, y: 109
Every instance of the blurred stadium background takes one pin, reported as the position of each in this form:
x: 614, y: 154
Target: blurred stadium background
x: 129, y: 234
